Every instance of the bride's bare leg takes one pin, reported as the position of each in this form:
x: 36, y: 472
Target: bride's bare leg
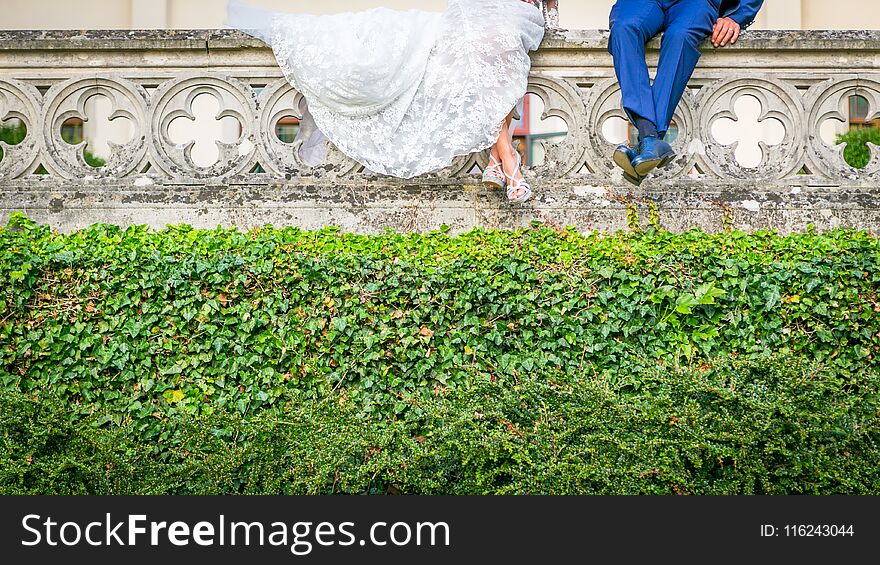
x: 504, y: 151
x: 494, y: 153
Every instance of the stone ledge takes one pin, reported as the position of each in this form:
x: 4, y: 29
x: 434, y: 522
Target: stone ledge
x: 424, y: 205
x: 206, y: 39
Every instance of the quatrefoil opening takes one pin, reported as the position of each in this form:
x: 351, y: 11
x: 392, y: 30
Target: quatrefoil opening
x: 99, y: 127
x: 618, y: 130
x: 536, y: 129
x: 615, y: 130
x: 204, y: 127
x: 13, y: 131
x: 852, y: 128
x: 748, y: 130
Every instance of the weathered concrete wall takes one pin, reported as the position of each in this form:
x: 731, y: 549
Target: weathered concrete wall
x: 800, y: 81
x: 426, y: 205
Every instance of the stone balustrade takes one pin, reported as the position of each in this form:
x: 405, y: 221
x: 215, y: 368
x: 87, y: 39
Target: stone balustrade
x: 799, y: 86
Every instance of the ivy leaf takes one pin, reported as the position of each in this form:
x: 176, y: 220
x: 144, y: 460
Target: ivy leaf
x: 772, y: 298
x: 686, y: 303
x: 176, y: 369
x: 339, y: 323
x: 173, y: 396
x: 707, y: 293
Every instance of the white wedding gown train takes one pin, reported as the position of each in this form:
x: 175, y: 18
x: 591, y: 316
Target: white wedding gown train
x: 403, y: 92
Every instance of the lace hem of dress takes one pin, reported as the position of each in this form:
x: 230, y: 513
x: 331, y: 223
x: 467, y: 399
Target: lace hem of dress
x: 406, y: 92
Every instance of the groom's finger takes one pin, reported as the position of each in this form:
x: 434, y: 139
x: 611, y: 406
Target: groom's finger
x: 716, y: 31
x: 720, y: 30
x: 736, y: 33
x: 728, y: 33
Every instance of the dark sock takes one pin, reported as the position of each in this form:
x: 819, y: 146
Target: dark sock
x: 646, y: 128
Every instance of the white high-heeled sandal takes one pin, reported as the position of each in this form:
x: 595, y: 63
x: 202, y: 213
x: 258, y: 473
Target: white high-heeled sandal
x: 514, y: 184
x: 493, y: 175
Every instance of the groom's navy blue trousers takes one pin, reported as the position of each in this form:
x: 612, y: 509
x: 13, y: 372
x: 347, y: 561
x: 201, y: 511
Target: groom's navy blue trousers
x: 684, y: 23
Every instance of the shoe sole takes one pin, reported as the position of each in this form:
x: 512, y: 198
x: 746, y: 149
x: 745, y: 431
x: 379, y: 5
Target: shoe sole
x: 493, y: 185
x: 632, y: 180
x: 645, y: 167
x: 621, y: 160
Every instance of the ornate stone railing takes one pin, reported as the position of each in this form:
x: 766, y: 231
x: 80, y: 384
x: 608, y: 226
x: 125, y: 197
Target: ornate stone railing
x: 800, y: 83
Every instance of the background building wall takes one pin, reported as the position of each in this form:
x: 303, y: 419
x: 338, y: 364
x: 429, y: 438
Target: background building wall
x: 840, y: 14
x: 116, y: 14
x: 64, y: 14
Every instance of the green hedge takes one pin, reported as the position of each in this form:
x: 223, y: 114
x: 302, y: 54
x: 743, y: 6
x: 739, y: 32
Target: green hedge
x: 768, y: 426
x: 138, y: 338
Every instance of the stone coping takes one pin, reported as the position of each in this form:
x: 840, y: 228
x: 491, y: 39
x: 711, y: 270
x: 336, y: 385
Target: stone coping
x: 376, y: 206
x: 590, y: 39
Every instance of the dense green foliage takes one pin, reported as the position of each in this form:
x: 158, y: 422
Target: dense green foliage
x: 856, y: 153
x: 515, y: 361
x: 771, y: 426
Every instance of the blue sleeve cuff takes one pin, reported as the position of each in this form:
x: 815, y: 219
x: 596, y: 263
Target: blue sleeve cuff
x: 744, y: 21
x: 745, y: 13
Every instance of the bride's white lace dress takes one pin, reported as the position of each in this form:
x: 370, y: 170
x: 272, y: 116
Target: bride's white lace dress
x: 404, y: 92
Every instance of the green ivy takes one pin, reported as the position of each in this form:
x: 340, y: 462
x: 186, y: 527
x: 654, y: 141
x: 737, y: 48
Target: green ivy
x: 138, y: 329
x: 760, y: 426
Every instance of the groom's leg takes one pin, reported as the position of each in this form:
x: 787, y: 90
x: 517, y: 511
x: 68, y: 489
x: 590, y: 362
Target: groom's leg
x: 688, y: 22
x: 633, y: 23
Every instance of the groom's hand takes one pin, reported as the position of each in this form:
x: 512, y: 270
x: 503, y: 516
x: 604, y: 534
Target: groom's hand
x: 725, y: 31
